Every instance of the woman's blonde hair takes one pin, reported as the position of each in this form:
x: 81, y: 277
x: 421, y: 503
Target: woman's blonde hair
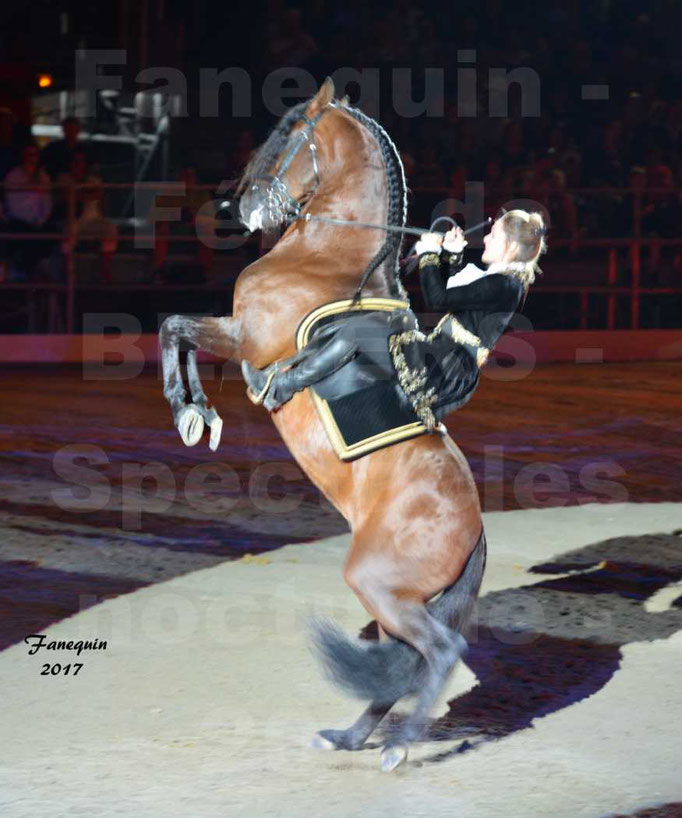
x: 528, y: 231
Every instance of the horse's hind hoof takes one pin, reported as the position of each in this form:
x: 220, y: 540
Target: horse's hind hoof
x: 334, y: 740
x: 392, y: 757
x: 190, y: 425
x: 319, y: 742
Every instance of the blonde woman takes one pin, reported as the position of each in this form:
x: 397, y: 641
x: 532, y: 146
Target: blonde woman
x: 437, y: 372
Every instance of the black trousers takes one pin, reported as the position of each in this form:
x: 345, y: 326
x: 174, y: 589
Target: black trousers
x: 450, y: 368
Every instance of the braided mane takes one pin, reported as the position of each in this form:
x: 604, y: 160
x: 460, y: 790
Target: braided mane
x: 389, y: 251
x: 265, y: 157
x: 388, y: 254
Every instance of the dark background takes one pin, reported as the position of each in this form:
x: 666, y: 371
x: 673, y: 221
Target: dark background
x: 581, y: 159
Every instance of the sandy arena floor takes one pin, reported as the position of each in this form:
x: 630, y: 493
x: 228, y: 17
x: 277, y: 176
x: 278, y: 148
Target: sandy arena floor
x: 204, y: 701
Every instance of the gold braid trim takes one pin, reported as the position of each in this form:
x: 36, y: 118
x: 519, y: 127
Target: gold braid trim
x: 412, y: 381
x: 428, y: 258
x: 462, y: 335
x: 523, y: 270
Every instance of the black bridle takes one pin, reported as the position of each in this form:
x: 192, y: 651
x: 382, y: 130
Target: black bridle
x: 279, y: 198
x: 278, y: 193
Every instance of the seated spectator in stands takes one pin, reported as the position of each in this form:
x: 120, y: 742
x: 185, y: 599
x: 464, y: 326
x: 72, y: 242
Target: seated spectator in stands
x: 8, y: 159
x: 27, y: 190
x: 624, y: 211
x: 241, y: 152
x: 532, y: 182
x: 604, y: 161
x: 28, y: 208
x: 57, y: 155
x: 562, y: 209
x: 661, y: 218
x: 571, y: 164
x: 8, y: 151
x: 458, y: 180
x: 289, y: 44
x: 661, y: 215
x: 512, y: 146
x: 429, y: 173
x: 197, y: 220
x: 673, y: 124
x: 657, y: 171
x: 70, y: 182
x: 82, y: 189
x: 497, y: 187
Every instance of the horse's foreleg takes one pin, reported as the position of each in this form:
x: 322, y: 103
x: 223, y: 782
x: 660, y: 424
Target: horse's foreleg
x: 193, y: 417
x: 217, y: 335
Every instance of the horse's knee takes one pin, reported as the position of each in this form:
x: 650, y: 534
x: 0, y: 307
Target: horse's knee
x: 170, y: 327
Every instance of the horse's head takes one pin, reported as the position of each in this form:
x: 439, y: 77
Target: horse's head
x: 291, y: 168
x: 284, y: 173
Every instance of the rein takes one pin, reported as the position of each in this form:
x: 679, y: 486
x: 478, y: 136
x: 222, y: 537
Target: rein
x: 389, y: 228
x: 279, y: 193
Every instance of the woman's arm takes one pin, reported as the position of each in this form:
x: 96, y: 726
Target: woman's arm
x: 445, y: 254
x: 452, y: 262
x: 495, y: 292
x: 444, y: 265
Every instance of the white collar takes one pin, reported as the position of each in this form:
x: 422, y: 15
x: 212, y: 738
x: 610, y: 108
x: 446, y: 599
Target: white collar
x: 507, y: 267
x: 472, y: 273
x: 465, y: 276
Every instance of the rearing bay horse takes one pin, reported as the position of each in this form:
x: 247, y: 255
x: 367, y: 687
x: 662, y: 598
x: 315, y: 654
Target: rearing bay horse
x: 413, y: 508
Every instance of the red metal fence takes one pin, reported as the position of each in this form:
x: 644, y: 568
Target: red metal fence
x: 619, y: 271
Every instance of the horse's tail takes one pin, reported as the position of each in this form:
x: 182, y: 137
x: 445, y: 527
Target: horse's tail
x: 388, y: 670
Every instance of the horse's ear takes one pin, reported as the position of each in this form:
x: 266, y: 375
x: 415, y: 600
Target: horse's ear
x: 322, y: 98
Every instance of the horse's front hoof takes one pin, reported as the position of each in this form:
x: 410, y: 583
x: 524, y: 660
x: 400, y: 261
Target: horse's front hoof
x: 190, y: 425
x: 392, y: 757
x: 215, y: 424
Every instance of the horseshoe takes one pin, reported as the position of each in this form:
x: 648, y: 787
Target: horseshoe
x: 190, y: 425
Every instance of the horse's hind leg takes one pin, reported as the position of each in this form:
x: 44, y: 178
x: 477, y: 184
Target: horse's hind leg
x: 442, y: 648
x: 354, y: 737
x: 409, y: 620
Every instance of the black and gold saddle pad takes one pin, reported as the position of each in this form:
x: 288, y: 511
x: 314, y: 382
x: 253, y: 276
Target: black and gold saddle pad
x: 362, y: 406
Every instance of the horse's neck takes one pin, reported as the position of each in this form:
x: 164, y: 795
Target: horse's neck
x: 343, y: 251
x: 314, y: 262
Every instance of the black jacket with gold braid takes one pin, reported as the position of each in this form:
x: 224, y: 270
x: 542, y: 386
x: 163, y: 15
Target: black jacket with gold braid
x: 439, y: 372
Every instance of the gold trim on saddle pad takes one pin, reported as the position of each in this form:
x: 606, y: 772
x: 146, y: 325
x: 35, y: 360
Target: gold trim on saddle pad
x: 370, y: 444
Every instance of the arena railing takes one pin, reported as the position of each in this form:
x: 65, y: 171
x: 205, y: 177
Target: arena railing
x: 137, y: 235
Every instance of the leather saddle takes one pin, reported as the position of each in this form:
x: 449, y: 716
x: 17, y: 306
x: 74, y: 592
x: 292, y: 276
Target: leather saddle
x: 370, y: 330
x: 361, y: 405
